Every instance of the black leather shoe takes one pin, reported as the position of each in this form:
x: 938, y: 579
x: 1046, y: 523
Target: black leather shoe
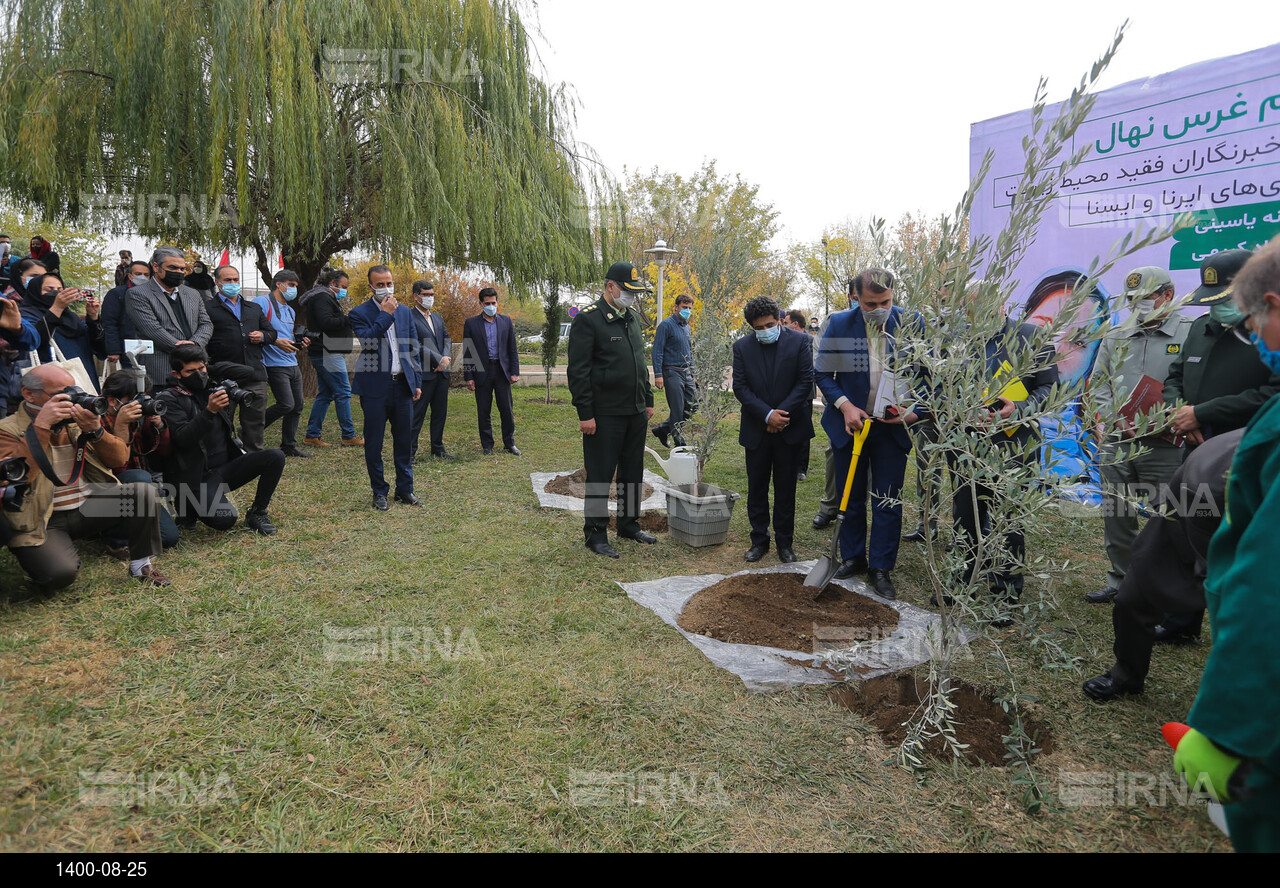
x: 851, y: 566
x: 879, y: 580
x: 408, y: 499
x: 442, y: 454
x: 660, y: 434
x: 786, y: 555
x: 488, y: 451
x: 1167, y: 636
x: 917, y: 535
x: 259, y: 520
x: 380, y: 502
x: 821, y: 521
x: 513, y: 450
x: 602, y: 547
x: 1103, y: 689
x: 295, y: 451
x: 1102, y: 596
x: 802, y: 476
x: 755, y: 553
x: 640, y: 536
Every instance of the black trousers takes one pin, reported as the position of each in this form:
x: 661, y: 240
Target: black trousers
x: 928, y: 485
x: 973, y: 508
x: 682, y: 400
x: 286, y: 385
x: 493, y: 383
x: 435, y: 397
x: 780, y: 461
x: 131, y: 510
x: 617, y: 446
x: 208, y: 502
x: 253, y: 417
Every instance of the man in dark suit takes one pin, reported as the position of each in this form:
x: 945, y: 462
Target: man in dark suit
x: 437, y: 349
x: 166, y: 312
x: 388, y: 382
x: 490, y: 366
x: 855, y: 353
x: 772, y: 379
x: 240, y: 330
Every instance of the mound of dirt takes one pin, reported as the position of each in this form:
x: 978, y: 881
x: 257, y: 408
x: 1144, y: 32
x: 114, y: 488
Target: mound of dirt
x: 890, y: 700
x: 775, y: 609
x: 575, y: 485
x: 650, y: 522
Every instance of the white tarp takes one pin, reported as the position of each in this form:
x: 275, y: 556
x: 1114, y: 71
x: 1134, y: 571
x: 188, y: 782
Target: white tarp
x: 656, y: 500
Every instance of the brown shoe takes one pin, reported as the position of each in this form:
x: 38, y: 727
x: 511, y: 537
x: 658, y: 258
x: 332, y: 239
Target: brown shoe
x: 315, y: 442
x: 357, y: 441
x: 149, y: 576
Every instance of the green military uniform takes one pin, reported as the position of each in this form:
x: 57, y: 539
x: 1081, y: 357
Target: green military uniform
x: 1146, y: 352
x: 1219, y: 374
x: 1237, y: 706
x: 609, y: 382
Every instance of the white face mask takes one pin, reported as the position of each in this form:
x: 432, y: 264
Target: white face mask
x: 381, y: 293
x: 427, y: 301
x: 1143, y: 308
x: 624, y: 300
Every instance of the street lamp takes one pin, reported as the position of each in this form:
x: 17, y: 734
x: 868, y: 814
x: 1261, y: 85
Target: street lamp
x: 826, y: 278
x: 660, y: 251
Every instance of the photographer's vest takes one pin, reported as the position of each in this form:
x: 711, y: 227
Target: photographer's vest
x: 30, y: 521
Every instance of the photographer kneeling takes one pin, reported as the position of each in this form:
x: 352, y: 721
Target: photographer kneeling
x: 207, y: 461
x: 137, y: 418
x: 61, y: 439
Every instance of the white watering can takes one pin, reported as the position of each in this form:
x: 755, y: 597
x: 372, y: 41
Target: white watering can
x: 681, y: 467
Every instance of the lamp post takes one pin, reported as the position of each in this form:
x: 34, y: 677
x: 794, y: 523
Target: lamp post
x: 826, y: 278
x: 660, y: 251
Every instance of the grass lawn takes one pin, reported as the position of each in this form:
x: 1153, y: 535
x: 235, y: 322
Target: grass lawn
x: 552, y: 675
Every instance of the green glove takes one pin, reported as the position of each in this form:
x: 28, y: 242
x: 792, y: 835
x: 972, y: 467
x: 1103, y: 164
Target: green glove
x: 1202, y: 764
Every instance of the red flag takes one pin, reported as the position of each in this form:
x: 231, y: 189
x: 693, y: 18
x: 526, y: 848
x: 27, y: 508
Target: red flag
x: 225, y: 258
x: 282, y: 260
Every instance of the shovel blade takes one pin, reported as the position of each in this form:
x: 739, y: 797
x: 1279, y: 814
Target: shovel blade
x: 820, y: 575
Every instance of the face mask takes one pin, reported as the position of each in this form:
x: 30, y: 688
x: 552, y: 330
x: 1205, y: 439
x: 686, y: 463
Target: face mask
x: 139, y: 279
x: 341, y: 294
x: 1143, y: 308
x: 489, y: 310
x: 624, y: 300
x: 382, y: 292
x: 290, y: 294
x: 231, y: 290
x: 4, y: 249
x: 26, y: 280
x: 770, y: 336
x: 879, y: 317
x: 1226, y: 313
x: 427, y: 301
x: 686, y: 313
x: 171, y: 279
x: 198, y: 381
x: 199, y: 269
x: 1269, y: 357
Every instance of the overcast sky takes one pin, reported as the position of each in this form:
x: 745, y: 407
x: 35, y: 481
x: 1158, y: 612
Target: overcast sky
x: 849, y: 108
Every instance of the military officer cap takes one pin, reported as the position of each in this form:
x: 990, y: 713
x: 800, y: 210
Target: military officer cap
x: 1146, y: 281
x: 1217, y: 273
x: 625, y: 275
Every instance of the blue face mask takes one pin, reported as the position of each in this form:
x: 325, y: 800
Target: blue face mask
x: 231, y: 290
x: 290, y: 294
x: 1269, y: 357
x: 490, y: 310
x: 770, y: 336
x: 341, y: 294
x: 1226, y: 313
x: 686, y: 313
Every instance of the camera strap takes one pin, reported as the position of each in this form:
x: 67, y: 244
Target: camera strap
x: 38, y: 454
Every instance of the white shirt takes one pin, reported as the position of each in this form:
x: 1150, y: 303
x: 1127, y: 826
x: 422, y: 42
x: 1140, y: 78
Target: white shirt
x: 391, y: 338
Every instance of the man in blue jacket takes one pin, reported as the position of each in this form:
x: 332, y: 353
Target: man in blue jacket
x: 856, y: 351
x: 772, y: 379
x: 490, y: 367
x: 388, y: 381
x: 673, y: 370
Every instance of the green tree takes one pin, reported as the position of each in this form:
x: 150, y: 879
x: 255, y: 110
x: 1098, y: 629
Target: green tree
x: 826, y: 268
x: 307, y: 127
x: 85, y: 262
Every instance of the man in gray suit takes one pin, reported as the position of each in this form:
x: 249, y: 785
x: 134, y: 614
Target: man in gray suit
x: 166, y: 312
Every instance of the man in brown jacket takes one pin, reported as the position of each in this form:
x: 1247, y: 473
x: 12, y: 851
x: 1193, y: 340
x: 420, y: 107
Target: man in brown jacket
x: 82, y: 498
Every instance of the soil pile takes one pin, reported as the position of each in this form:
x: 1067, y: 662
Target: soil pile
x: 650, y: 522
x: 776, y: 610
x: 890, y: 700
x: 575, y: 485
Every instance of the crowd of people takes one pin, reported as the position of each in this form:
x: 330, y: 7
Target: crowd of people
x: 1186, y: 419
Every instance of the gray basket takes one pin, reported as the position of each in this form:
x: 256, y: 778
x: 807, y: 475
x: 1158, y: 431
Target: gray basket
x: 699, y: 520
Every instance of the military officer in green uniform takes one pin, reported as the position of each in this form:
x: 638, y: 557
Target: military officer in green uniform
x: 609, y: 382
x: 1127, y: 355
x: 1235, y: 740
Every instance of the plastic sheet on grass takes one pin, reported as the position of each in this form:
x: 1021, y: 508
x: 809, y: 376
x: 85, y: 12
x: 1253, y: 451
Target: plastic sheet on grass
x: 656, y: 500
x: 772, y: 669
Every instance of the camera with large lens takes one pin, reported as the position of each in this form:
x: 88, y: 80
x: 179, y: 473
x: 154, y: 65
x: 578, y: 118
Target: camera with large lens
x: 93, y: 403
x: 299, y: 335
x: 235, y: 394
x: 150, y: 406
x: 13, y: 475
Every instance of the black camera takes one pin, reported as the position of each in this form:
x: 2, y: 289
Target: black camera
x: 150, y: 406
x: 235, y: 394
x: 12, y: 495
x: 93, y: 403
x: 13, y: 470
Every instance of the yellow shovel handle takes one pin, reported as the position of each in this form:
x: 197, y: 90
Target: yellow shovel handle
x: 853, y: 462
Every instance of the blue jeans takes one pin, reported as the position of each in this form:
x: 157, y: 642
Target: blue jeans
x: 332, y: 387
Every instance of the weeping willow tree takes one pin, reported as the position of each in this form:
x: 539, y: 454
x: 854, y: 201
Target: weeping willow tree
x: 308, y: 128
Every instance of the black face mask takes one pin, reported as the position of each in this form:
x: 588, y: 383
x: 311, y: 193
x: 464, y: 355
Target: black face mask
x: 172, y: 278
x: 197, y: 382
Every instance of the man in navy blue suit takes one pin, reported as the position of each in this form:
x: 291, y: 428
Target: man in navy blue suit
x: 856, y: 351
x: 388, y: 381
x: 490, y: 366
x: 772, y: 379
x: 436, y: 355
